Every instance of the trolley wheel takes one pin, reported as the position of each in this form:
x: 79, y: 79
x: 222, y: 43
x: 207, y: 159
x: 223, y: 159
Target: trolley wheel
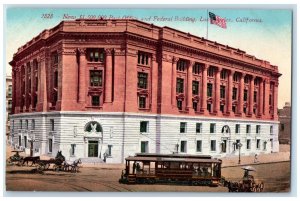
x: 195, y: 183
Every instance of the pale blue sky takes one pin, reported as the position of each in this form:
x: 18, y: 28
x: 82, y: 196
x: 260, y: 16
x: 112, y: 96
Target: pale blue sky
x: 269, y: 40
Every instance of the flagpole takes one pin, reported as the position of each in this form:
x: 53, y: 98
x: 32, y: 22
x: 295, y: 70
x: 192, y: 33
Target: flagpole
x: 207, y: 24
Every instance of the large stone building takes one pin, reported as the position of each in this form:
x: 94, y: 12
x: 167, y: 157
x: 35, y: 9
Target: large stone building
x: 8, y: 105
x: 116, y: 87
x: 285, y: 124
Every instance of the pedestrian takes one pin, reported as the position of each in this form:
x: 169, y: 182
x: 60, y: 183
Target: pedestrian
x: 255, y: 158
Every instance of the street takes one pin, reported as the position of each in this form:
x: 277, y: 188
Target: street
x: 276, y: 177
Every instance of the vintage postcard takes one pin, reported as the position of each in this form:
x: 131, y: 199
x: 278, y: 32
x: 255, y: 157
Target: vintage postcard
x: 148, y: 99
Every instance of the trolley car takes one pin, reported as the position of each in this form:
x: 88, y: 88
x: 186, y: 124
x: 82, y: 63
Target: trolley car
x: 172, y: 168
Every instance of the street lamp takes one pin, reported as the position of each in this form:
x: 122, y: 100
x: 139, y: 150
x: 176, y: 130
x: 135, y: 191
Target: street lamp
x: 239, y: 147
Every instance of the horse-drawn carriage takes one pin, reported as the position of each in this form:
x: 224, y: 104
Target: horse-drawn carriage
x: 248, y: 183
x: 15, y: 159
x: 59, y: 164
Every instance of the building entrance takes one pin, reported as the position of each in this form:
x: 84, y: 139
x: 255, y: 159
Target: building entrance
x: 93, y: 149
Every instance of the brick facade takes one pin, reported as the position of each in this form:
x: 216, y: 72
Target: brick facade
x: 127, y: 66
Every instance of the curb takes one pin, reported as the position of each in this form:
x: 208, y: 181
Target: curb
x: 239, y: 165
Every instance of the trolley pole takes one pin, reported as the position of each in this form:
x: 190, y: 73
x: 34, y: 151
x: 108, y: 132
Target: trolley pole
x: 239, y: 145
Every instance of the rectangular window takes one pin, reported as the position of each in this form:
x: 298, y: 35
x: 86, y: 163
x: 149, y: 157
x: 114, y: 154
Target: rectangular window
x: 144, y: 126
x: 223, y: 146
x: 255, y: 97
x: 144, y: 146
x: 54, y: 58
x: 245, y: 95
x: 237, y: 144
x: 180, y: 85
x: 248, y: 129
x: 32, y: 124
x: 25, y: 141
x: 73, y: 149
x: 270, y: 99
x: 209, y: 107
x: 258, y: 144
x: 182, y: 127
x: 223, y: 75
x: 222, y: 108
x: 248, y: 144
x: 213, y: 145
x: 181, y: 65
x: 109, y: 150
x: 52, y: 124
x: 237, y: 128
x: 179, y: 104
x: 282, y: 127
x: 195, y: 87
x: 212, y: 128
x: 95, y: 101
x: 271, y: 130
x: 199, y: 146
x: 198, y: 127
x: 142, y: 80
x: 142, y: 102
x: 26, y: 124
x: 55, y: 81
x: 257, y: 129
x: 95, y: 55
x: 196, y: 68
x: 50, y: 145
x: 20, y: 140
x: 211, y: 72
x: 21, y: 125
x: 234, y: 93
x: 245, y: 110
x: 209, y: 90
x: 195, y: 106
x: 222, y: 91
x: 143, y: 58
x: 96, y: 78
x: 183, y: 147
x: 9, y: 91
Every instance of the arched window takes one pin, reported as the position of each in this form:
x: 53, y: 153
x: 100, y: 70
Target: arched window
x: 93, y: 126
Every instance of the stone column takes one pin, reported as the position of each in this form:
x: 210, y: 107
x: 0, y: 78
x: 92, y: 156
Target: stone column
x: 189, y: 93
x: 204, y: 89
x: 266, y: 98
x: 108, y: 76
x: 241, y: 93
x: 82, y: 76
x: 261, y: 97
x: 174, y: 81
x: 229, y: 92
x: 42, y: 89
x: 251, y: 92
x: 17, y: 89
x: 32, y: 85
x: 217, y: 91
x: 26, y: 88
x: 275, y: 102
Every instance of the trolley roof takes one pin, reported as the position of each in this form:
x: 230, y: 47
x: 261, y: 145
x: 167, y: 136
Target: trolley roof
x: 172, y: 159
x: 173, y: 155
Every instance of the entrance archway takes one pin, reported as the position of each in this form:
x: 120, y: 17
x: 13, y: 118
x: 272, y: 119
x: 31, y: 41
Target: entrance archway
x: 93, y: 138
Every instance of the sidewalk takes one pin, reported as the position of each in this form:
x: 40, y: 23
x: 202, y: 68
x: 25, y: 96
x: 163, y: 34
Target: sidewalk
x: 283, y: 155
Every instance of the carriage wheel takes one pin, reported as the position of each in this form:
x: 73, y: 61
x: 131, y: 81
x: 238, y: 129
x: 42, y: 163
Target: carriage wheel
x: 56, y: 168
x: 47, y: 165
x: 41, y: 167
x: 9, y: 162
